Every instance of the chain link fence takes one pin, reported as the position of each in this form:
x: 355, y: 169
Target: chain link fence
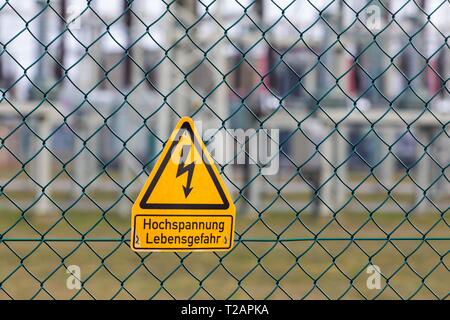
x: 355, y: 205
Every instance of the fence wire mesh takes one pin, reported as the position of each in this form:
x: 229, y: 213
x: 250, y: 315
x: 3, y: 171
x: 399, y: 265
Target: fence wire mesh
x: 357, y: 89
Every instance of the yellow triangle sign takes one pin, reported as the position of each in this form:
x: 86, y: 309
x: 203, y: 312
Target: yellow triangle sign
x: 184, y: 204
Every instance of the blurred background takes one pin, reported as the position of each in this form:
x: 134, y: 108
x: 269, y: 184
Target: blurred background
x: 90, y: 91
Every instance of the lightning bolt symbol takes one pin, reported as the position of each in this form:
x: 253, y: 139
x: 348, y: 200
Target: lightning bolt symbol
x: 183, y: 168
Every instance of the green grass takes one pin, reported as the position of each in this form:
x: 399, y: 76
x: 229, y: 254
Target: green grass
x: 259, y: 266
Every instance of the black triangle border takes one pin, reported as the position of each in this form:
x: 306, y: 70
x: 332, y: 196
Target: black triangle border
x: 192, y: 206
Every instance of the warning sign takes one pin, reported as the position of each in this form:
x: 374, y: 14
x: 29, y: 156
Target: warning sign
x: 184, y: 205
